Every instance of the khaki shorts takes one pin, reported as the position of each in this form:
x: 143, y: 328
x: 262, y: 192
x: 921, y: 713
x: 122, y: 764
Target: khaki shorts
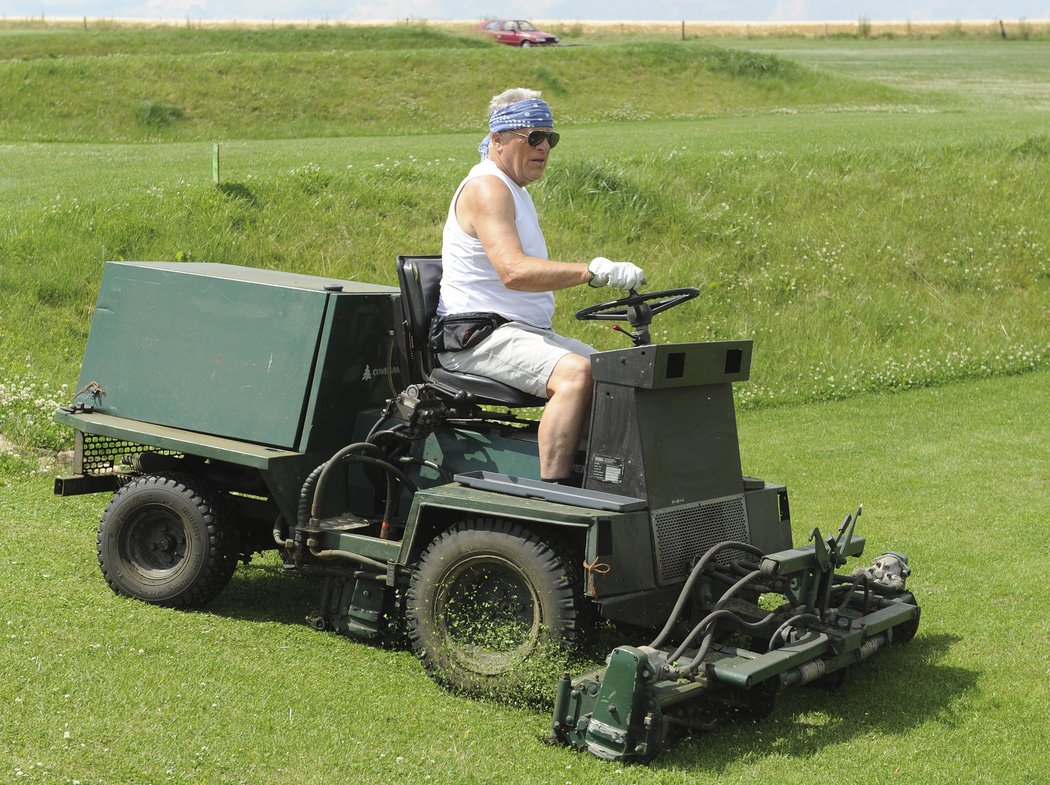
x: 517, y: 354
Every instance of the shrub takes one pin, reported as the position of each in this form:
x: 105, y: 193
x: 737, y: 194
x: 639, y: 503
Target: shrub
x: 151, y: 114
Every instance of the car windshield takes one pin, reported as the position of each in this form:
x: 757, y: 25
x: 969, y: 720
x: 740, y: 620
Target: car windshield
x: 526, y: 27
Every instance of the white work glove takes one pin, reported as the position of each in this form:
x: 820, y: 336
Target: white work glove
x: 619, y: 275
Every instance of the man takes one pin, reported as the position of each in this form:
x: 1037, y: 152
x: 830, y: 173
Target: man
x: 495, y: 261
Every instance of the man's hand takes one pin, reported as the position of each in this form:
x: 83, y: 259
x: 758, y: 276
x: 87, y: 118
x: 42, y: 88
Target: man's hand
x: 619, y: 275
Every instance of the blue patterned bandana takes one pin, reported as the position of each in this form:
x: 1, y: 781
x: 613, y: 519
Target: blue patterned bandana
x: 530, y: 113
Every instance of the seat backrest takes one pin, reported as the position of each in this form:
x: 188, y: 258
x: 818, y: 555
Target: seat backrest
x: 420, y: 280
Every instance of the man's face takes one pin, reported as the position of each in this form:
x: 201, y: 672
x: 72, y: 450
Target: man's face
x: 522, y: 162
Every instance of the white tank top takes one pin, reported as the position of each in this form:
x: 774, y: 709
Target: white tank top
x: 469, y: 282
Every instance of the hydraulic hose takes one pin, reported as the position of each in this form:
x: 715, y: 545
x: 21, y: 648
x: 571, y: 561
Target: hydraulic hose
x: 306, y: 495
x: 312, y: 492
x: 728, y: 593
x: 391, y: 470
x: 278, y: 533
x: 392, y: 474
x: 743, y: 566
x: 691, y: 667
x: 793, y: 620
x: 387, y: 411
x: 429, y: 464
x: 857, y: 582
x: 390, y: 367
x: 326, y: 469
x: 355, y: 557
x: 709, y: 621
x: 713, y: 616
x: 691, y: 580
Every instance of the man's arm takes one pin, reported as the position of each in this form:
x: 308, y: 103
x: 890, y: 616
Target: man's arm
x: 485, y: 209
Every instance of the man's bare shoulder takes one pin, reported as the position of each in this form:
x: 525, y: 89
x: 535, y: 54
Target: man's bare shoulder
x: 487, y: 187
x: 484, y: 198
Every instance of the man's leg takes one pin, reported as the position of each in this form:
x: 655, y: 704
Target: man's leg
x: 569, y: 391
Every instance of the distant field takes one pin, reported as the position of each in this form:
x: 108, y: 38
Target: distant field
x: 1010, y: 76
x: 862, y: 27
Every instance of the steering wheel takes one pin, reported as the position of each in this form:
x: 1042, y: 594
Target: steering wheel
x: 637, y: 309
x: 621, y: 310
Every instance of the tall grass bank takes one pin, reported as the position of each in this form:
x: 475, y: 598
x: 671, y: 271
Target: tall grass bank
x: 867, y: 238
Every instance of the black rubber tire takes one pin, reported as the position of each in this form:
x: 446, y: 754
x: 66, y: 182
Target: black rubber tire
x: 162, y: 540
x: 485, y: 603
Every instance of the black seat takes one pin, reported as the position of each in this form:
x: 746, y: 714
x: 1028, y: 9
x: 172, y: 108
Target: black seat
x: 420, y: 280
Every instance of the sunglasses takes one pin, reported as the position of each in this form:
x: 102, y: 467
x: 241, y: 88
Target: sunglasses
x: 535, y: 138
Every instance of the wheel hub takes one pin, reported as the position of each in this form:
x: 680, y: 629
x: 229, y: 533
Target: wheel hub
x: 156, y: 542
x: 490, y: 614
x: 165, y: 543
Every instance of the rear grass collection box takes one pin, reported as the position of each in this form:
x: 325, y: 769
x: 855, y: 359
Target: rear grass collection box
x: 260, y: 356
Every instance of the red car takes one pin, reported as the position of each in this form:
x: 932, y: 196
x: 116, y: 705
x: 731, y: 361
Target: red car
x: 517, y: 32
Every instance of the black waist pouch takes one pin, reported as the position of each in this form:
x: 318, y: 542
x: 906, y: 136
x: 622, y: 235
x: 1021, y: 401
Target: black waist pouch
x: 455, y: 332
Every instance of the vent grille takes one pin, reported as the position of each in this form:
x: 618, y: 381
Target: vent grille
x: 683, y: 534
x: 104, y: 454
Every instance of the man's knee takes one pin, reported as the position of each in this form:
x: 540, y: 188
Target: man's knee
x: 571, y: 375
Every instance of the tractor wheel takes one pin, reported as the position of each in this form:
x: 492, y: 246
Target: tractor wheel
x: 162, y: 540
x: 491, y: 606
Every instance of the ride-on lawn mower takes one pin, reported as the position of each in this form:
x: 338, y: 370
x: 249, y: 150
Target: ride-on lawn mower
x: 235, y: 410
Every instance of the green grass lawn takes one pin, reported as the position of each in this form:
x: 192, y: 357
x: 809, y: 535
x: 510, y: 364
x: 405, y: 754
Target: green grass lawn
x: 1012, y: 74
x: 99, y: 689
